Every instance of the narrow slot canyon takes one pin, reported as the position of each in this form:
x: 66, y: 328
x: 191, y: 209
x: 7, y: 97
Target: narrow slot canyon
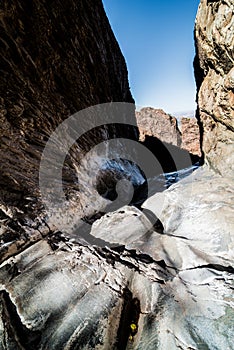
x: 116, y: 224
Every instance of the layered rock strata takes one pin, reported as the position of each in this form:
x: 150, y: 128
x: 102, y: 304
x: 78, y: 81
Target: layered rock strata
x: 53, y: 59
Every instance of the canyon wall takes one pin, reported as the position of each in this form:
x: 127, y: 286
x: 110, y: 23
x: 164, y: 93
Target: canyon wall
x: 56, y: 59
x: 163, y: 283
x: 214, y: 71
x: 190, y: 134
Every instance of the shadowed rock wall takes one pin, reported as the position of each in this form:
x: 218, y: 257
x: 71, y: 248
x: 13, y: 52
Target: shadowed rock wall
x: 56, y: 58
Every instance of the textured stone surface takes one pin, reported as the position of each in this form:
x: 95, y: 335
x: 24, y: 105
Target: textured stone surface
x: 121, y: 227
x: 53, y: 58
x: 176, y: 286
x: 184, y: 134
x: 190, y: 135
x: 157, y: 123
x: 61, y: 299
x: 199, y: 209
x: 197, y: 215
x: 214, y: 69
x: 52, y: 66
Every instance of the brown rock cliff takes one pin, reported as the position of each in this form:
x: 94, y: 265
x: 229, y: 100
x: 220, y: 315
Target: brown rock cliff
x: 214, y: 71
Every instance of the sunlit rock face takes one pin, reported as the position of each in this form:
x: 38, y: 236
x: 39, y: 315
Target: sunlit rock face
x: 183, y: 133
x: 214, y: 71
x: 157, y: 123
x: 190, y: 134
x: 197, y: 243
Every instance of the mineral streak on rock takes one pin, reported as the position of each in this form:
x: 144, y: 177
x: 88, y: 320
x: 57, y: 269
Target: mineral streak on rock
x: 214, y: 71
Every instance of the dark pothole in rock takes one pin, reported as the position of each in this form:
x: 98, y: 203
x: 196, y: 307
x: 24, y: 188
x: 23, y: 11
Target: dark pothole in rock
x: 122, y: 181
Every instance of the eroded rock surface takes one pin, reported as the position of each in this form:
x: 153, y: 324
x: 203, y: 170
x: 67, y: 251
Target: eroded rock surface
x: 190, y: 135
x: 214, y: 71
x: 53, y: 59
x: 157, y: 123
x: 167, y: 286
x: 184, y: 134
x: 175, y: 286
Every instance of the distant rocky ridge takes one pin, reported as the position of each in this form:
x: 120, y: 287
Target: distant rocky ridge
x: 155, y: 122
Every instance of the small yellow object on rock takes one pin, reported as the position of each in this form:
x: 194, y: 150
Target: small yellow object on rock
x: 133, y: 327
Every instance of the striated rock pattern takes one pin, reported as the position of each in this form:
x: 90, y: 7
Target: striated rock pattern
x: 56, y: 59
x: 214, y: 71
x: 157, y: 123
x: 53, y: 60
x: 190, y: 135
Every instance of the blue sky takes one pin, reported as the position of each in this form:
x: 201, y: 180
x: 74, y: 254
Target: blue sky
x: 156, y: 38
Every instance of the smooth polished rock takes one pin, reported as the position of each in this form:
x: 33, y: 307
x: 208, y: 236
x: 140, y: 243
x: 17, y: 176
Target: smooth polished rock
x: 199, y: 212
x: 60, y: 294
x: 122, y: 226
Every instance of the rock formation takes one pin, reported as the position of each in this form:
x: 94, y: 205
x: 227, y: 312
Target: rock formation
x: 214, y: 73
x: 156, y: 123
x: 156, y: 278
x: 190, y: 135
x: 50, y: 70
x: 53, y: 60
x: 197, y: 213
